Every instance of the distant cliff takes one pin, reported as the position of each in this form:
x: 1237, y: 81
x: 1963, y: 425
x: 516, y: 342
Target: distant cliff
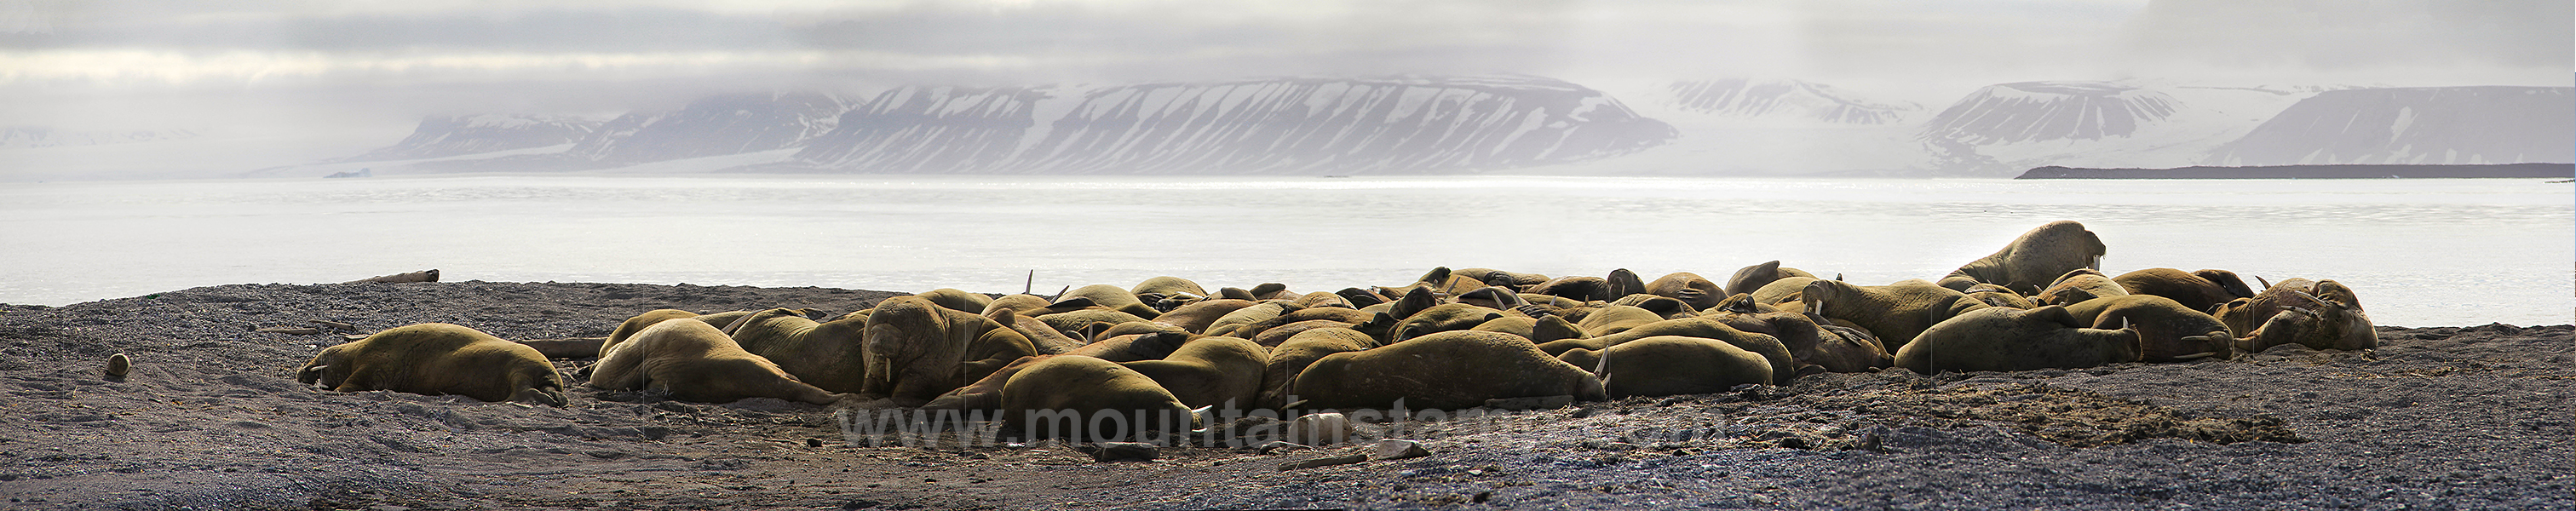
x: 714, y: 126
x: 2043, y: 111
x: 445, y: 136
x: 1757, y: 98
x: 1269, y: 126
x: 2432, y: 125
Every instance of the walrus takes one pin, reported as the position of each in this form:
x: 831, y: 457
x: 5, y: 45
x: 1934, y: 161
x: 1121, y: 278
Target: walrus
x: 822, y: 354
x: 1088, y: 399
x: 1445, y: 371
x: 1811, y: 344
x: 1225, y: 372
x: 1088, y: 323
x: 2078, y: 285
x: 1293, y: 355
x: 2007, y: 339
x: 1023, y: 304
x: 916, y: 350
x: 985, y: 394
x: 1361, y: 297
x: 1999, y: 296
x: 1579, y: 288
x: 2167, y: 330
x: 1754, y: 277
x: 696, y: 362
x: 637, y: 323
x: 1491, y: 277
x: 2033, y: 260
x: 1131, y: 348
x: 1441, y: 318
x: 1783, y: 292
x: 1322, y: 299
x: 435, y: 359
x: 1139, y: 327
x: 2202, y: 290
x: 1621, y: 283
x: 1273, y: 336
x: 1257, y: 312
x: 1042, y: 336
x: 1113, y: 298
x: 958, y: 300
x: 1783, y: 364
x: 1493, y: 297
x: 1168, y: 286
x: 1690, y: 288
x: 1614, y: 319
x: 1668, y: 307
x: 1671, y: 364
x: 1894, y: 313
x: 2321, y: 314
x: 1256, y: 329
x: 1541, y: 329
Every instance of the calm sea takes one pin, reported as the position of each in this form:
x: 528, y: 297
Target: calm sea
x: 2420, y: 252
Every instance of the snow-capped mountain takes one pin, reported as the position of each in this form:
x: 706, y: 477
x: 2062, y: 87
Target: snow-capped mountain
x: 445, y: 136
x: 2044, y: 111
x: 714, y: 126
x: 41, y: 136
x: 1276, y: 126
x: 1783, y: 98
x: 2003, y: 129
x: 2429, y: 125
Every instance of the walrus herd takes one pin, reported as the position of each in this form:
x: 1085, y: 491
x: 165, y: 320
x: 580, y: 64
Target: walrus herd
x: 1452, y: 339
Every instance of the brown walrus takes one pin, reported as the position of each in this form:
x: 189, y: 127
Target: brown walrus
x: 435, y: 359
x: 2033, y: 260
x: 696, y: 362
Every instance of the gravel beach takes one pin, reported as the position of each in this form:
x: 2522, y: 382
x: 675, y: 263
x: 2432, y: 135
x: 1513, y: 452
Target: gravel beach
x: 211, y: 417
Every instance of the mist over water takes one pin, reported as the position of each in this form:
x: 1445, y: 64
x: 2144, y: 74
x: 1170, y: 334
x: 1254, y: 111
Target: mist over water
x: 2420, y: 252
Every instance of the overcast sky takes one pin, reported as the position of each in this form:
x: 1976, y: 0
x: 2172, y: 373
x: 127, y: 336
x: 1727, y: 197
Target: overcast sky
x: 301, y: 64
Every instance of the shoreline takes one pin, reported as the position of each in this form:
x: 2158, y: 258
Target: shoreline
x: 2464, y: 417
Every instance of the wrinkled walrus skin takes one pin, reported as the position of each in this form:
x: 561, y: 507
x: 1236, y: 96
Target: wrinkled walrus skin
x: 1061, y: 396
x: 2008, y: 339
x: 1671, y: 364
x: 696, y: 362
x: 916, y: 350
x: 2167, y: 331
x: 822, y: 354
x: 2322, y: 314
x: 2202, y: 290
x: 635, y: 324
x: 1224, y: 372
x: 436, y: 359
x: 1446, y: 371
x: 2034, y: 260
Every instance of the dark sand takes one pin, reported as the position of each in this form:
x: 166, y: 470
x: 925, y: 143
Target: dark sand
x: 212, y: 418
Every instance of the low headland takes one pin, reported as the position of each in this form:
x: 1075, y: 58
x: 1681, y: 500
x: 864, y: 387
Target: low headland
x: 2506, y: 170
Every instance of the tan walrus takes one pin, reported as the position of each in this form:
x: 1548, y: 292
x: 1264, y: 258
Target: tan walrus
x: 696, y: 362
x: 434, y: 359
x: 2033, y: 260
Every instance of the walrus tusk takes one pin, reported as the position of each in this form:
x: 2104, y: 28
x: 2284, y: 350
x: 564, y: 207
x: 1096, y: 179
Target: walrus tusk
x: 2204, y: 354
x: 2096, y: 265
x: 2199, y: 338
x: 2266, y: 283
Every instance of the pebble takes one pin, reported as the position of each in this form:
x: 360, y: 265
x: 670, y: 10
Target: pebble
x: 1392, y: 449
x: 1117, y: 451
x: 1529, y: 403
x: 1323, y: 462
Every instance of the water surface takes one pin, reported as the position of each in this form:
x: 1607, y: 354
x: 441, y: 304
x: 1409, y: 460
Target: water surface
x: 2420, y: 252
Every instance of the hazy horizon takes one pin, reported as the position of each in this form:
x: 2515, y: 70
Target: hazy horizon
x: 296, y: 81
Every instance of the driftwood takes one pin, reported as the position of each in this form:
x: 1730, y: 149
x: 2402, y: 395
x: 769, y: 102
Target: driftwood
x: 296, y: 330
x: 429, y: 275
x: 567, y: 347
x: 335, y: 325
